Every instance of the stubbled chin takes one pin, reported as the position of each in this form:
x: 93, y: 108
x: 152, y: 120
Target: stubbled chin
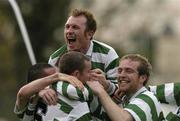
x: 123, y: 86
x: 71, y: 47
x: 123, y: 89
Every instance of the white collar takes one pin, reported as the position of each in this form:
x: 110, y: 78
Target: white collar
x: 89, y: 52
x: 138, y: 92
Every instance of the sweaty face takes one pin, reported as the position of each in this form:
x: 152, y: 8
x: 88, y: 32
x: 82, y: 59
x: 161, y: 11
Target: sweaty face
x: 76, y: 37
x: 129, y: 80
x: 85, y: 74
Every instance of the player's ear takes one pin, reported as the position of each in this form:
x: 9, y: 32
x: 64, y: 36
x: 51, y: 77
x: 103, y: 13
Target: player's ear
x: 90, y: 34
x: 143, y: 78
x: 76, y: 73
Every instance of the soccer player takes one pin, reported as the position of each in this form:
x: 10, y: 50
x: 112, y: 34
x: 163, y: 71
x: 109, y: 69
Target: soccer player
x: 29, y: 106
x: 73, y: 103
x: 138, y: 103
x: 79, y: 30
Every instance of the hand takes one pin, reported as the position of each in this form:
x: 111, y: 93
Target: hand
x: 71, y: 79
x: 98, y: 71
x: 98, y: 75
x: 49, y: 96
x: 95, y: 86
x: 117, y: 97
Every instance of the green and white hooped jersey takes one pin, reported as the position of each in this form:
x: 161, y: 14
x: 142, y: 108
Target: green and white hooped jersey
x: 102, y: 56
x: 32, y: 112
x: 69, y: 97
x: 144, y: 106
x: 169, y: 93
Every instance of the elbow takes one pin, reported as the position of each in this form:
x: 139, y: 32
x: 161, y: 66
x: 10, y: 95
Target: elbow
x: 128, y: 116
x: 22, y: 94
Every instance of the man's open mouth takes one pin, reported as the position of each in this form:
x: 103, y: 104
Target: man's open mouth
x: 71, y: 38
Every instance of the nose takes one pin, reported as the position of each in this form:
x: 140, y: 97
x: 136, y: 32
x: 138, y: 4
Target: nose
x: 69, y: 30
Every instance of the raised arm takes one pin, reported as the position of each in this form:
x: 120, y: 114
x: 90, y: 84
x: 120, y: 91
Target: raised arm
x: 35, y: 86
x: 167, y: 93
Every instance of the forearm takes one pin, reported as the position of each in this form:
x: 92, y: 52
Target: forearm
x: 37, y: 85
x: 115, y: 112
x: 33, y: 88
x: 167, y: 93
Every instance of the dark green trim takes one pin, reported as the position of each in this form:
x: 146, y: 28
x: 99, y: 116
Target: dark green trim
x: 59, y: 52
x: 80, y: 94
x: 140, y: 113
x: 151, y: 104
x: 161, y: 94
x: 99, y: 48
x: 64, y: 89
x: 98, y: 65
x: 172, y: 117
x: 86, y: 117
x: 177, y: 93
x: 54, y: 86
x: 66, y: 108
x: 112, y: 65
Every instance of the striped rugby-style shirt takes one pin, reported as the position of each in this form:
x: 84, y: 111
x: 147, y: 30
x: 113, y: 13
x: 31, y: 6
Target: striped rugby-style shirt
x: 144, y: 106
x: 102, y: 56
x: 32, y: 112
x: 168, y: 93
x: 69, y: 97
x: 174, y: 116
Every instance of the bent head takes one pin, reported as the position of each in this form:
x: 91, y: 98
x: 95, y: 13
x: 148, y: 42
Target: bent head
x: 79, y: 30
x: 75, y: 64
x: 40, y: 70
x: 133, y: 73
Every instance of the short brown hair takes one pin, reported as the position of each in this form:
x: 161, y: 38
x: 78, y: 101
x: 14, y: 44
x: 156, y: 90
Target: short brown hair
x: 37, y: 71
x: 91, y: 22
x: 144, y: 67
x: 72, y: 61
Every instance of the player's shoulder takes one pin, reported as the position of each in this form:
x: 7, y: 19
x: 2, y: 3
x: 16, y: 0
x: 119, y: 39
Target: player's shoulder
x: 59, y: 52
x: 101, y: 47
x: 69, y: 91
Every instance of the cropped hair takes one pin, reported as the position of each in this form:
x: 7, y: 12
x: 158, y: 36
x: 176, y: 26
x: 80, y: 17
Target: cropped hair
x: 37, y: 71
x: 90, y: 23
x: 72, y: 61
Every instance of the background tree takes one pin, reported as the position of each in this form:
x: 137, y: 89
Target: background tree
x: 45, y: 22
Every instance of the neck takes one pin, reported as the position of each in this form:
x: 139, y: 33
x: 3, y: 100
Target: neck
x: 85, y: 48
x: 130, y: 94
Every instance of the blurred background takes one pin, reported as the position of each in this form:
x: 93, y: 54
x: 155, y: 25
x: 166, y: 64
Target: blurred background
x: 147, y: 27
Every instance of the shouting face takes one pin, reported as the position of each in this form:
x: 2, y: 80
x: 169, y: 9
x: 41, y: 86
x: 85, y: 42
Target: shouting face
x: 75, y: 34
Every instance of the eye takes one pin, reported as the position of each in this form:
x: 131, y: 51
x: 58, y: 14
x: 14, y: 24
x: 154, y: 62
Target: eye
x: 66, y: 26
x: 119, y: 70
x: 129, y: 70
x: 75, y: 27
